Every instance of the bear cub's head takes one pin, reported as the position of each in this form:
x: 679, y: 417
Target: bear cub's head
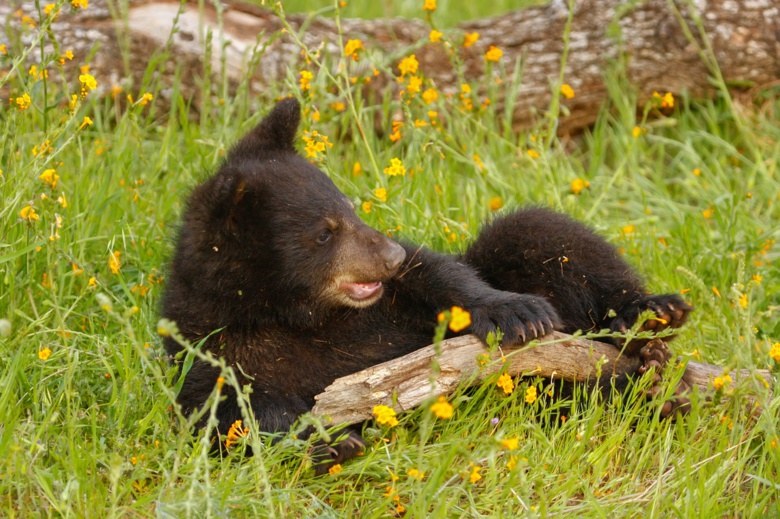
x: 271, y: 235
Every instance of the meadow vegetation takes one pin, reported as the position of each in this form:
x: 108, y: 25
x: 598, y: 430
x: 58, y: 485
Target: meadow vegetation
x: 92, y: 184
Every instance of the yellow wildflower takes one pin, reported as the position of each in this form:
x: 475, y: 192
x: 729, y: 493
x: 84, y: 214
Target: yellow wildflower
x: 506, y: 383
x: 416, y: 474
x: 419, y: 123
x: 442, y: 409
x: 339, y: 106
x: 716, y: 291
x: 707, y: 213
x: 28, y: 213
x: 335, y: 469
x: 50, y: 176
x: 429, y: 5
x: 145, y: 99
x: 578, y: 185
x: 220, y: 382
x: 234, y: 433
x: 381, y: 193
x: 696, y: 172
x: 512, y: 463
x: 533, y: 154
x: 430, y: 95
x: 637, y: 131
x: 743, y: 300
x: 460, y: 319
x: 44, y: 353
x: 352, y: 47
x: 475, y: 476
x: 395, y: 168
x: 357, y: 169
x: 79, y: 4
x: 3, y: 49
x: 629, y: 229
x: 62, y: 200
x: 385, y: 415
x: 493, y: 54
x: 306, y: 77
x: 530, y: 395
x: 511, y: 444
x: 366, y: 206
x: 408, y: 65
x: 395, y: 136
x: 435, y: 36
x: 114, y: 263
x: 495, y: 203
x: 23, y: 102
x: 414, y: 85
x: 719, y: 382
x: 88, y: 82
x: 775, y: 352
x: 86, y: 122
x: 567, y: 91
x: 93, y: 283
x: 67, y: 56
x: 470, y: 39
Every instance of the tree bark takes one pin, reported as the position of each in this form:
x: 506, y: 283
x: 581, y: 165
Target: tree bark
x: 659, y: 50
x: 406, y: 382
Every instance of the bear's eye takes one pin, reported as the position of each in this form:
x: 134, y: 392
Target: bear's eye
x: 324, y: 237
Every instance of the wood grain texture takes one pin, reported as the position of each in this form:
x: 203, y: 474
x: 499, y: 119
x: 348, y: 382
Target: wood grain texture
x: 406, y: 382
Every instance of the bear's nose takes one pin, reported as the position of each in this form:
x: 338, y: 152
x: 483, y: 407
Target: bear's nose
x: 393, y: 256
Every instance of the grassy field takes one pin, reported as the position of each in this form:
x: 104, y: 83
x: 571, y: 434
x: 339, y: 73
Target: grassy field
x: 91, y: 195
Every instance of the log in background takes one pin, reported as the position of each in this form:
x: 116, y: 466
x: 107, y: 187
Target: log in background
x: 658, y: 42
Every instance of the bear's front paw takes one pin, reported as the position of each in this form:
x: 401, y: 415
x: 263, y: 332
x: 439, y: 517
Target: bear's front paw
x: 520, y: 317
x: 671, y: 311
x: 327, y: 456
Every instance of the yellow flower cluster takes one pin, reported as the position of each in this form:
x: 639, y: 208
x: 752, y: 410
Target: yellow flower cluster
x: 442, y: 409
x: 352, y: 47
x: 722, y: 381
x: 396, y: 168
x: 316, y: 143
x: 495, y: 203
x: 530, y: 395
x: 429, y: 5
x: 114, y: 263
x: 578, y: 185
x: 470, y: 39
x: 459, y: 319
x: 567, y: 91
x: 775, y: 352
x: 494, y: 54
x: 506, y: 383
x: 511, y: 444
x: 306, y: 77
x: 234, y: 433
x: 408, y: 65
x: 385, y: 415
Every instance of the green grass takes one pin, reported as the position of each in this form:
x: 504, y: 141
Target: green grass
x: 92, y: 430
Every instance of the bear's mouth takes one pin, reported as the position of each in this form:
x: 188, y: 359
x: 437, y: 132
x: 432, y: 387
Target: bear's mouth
x: 361, y: 291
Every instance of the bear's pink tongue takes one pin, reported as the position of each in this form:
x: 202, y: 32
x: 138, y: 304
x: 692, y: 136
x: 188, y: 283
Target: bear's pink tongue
x: 361, y: 290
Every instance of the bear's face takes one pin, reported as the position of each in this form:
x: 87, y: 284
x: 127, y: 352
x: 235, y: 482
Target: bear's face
x: 274, y: 231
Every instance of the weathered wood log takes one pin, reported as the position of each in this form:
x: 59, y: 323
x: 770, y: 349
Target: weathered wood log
x: 657, y: 42
x: 406, y: 382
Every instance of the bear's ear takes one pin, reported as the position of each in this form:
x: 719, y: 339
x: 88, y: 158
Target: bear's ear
x: 229, y: 196
x: 276, y: 131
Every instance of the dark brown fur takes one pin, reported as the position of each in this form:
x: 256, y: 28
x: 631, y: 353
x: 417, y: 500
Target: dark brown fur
x: 272, y: 253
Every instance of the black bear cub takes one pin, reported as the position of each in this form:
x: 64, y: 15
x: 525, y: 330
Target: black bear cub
x: 271, y: 253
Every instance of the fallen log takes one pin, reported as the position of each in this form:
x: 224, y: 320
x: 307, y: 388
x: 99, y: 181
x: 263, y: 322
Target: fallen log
x: 660, y: 45
x: 406, y: 382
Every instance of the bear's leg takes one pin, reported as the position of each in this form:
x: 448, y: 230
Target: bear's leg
x: 541, y: 252
x: 348, y: 445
